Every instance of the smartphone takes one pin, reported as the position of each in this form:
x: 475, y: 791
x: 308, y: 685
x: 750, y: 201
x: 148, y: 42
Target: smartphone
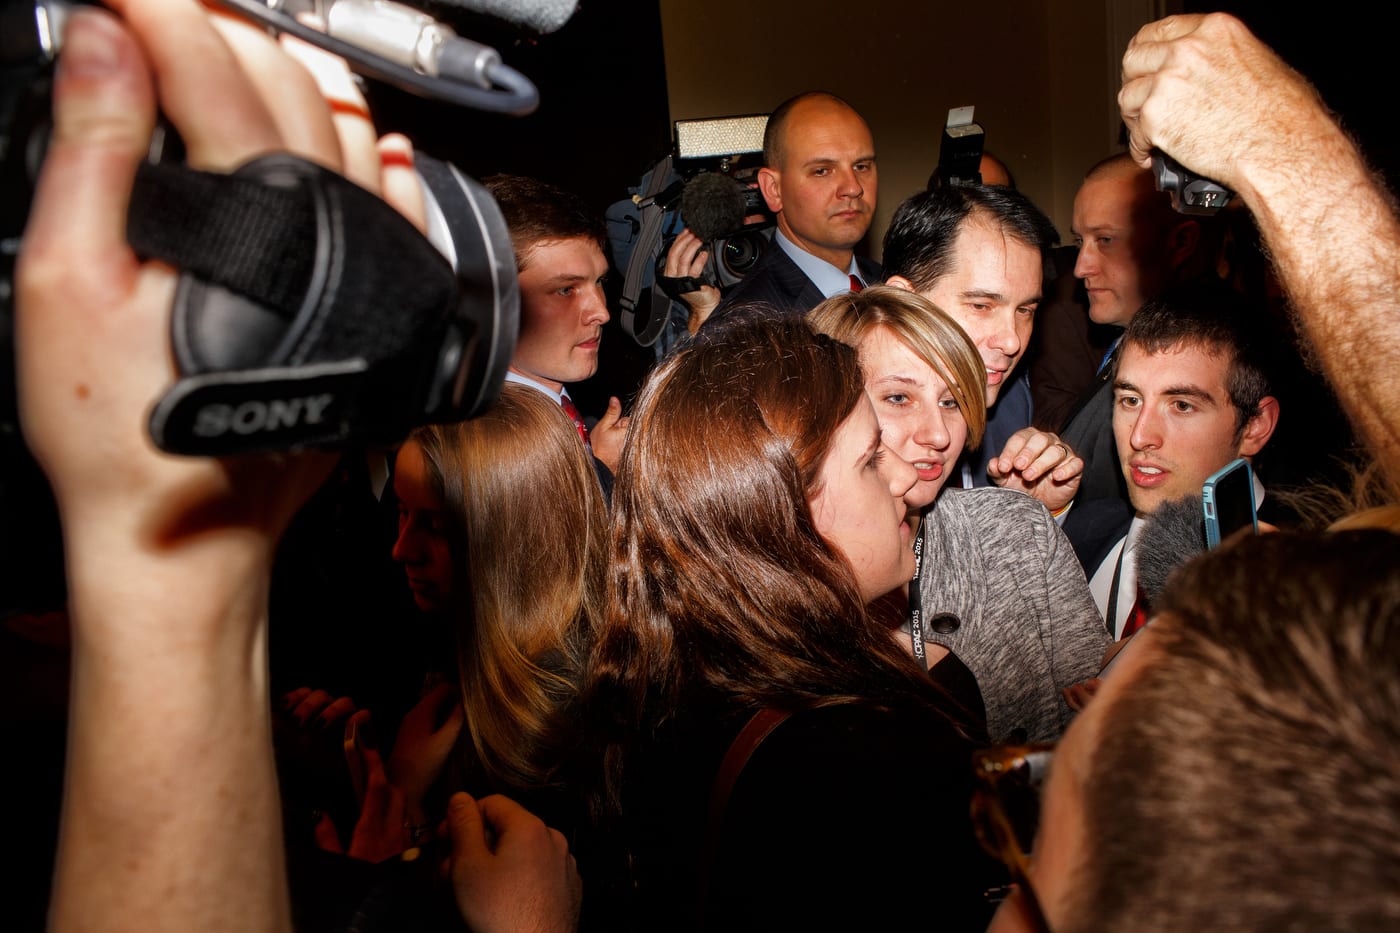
x: 1227, y: 498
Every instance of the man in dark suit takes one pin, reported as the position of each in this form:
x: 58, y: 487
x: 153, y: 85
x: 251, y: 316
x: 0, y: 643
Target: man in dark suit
x: 1067, y: 348
x: 561, y: 264
x: 1191, y: 392
x: 1131, y: 246
x: 819, y: 179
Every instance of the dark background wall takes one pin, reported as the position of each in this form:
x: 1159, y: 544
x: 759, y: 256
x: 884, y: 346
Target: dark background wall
x: 1043, y: 75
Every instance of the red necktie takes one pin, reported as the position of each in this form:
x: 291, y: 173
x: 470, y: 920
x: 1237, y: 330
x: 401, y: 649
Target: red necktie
x: 856, y: 284
x: 1137, y: 616
x: 572, y: 411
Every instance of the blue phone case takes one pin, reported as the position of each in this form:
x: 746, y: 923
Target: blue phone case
x: 1217, y: 507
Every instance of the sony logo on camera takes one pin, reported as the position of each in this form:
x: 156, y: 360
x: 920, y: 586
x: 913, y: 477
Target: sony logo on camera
x: 256, y: 416
x: 216, y: 414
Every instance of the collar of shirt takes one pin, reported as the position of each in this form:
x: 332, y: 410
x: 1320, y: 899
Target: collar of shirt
x: 513, y: 376
x: 828, y: 279
x: 1108, y: 354
x: 1135, y: 527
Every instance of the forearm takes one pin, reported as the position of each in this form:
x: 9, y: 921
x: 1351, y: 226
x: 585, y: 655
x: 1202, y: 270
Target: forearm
x: 171, y: 816
x: 701, y: 305
x: 1335, y: 242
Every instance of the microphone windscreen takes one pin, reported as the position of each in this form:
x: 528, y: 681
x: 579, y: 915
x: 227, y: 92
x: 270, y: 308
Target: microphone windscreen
x: 712, y: 205
x: 539, y: 15
x: 1171, y: 536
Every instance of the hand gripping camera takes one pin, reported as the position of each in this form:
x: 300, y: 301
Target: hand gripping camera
x: 707, y: 183
x: 308, y: 311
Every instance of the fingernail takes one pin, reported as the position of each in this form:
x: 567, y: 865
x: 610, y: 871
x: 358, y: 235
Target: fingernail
x: 89, y: 45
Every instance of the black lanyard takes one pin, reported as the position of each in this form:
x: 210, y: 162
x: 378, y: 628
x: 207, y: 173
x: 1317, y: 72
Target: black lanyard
x: 916, y: 601
x: 1111, y: 616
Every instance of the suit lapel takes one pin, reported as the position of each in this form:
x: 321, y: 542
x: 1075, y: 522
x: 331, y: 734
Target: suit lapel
x: 794, y: 282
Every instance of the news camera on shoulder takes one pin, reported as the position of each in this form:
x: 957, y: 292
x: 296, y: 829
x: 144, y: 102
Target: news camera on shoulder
x: 707, y: 183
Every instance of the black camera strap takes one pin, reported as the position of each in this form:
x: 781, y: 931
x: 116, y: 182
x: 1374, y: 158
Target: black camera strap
x: 644, y: 253
x: 229, y: 230
x: 307, y: 309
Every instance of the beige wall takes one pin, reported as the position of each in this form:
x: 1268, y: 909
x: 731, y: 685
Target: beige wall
x: 1038, y: 71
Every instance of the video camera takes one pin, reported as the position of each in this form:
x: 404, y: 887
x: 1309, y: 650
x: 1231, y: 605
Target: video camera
x: 309, y: 313
x: 708, y: 183
x: 721, y: 203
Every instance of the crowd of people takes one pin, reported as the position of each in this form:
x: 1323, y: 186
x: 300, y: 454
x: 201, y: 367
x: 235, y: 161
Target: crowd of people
x: 727, y: 661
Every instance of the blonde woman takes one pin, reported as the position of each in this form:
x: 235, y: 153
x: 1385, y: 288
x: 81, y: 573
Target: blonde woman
x: 998, y: 587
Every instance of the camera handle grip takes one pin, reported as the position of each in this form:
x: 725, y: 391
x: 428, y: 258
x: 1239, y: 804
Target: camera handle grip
x: 1190, y: 193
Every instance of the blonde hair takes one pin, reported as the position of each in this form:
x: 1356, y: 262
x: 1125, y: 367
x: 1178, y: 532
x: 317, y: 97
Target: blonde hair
x: 529, y: 528
x: 925, y: 329
x: 1383, y: 517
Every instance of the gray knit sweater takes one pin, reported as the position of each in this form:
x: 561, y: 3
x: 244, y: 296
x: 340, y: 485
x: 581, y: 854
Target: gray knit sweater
x: 996, y: 559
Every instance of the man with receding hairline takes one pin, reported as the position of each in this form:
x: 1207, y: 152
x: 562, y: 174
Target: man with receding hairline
x: 819, y: 178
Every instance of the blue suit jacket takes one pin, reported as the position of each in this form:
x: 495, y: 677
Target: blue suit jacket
x: 777, y: 282
x: 1011, y: 413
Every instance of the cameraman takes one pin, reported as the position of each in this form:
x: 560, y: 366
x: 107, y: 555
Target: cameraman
x: 171, y: 818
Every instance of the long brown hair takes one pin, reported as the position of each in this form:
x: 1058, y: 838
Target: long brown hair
x: 723, y: 591
x: 529, y: 524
